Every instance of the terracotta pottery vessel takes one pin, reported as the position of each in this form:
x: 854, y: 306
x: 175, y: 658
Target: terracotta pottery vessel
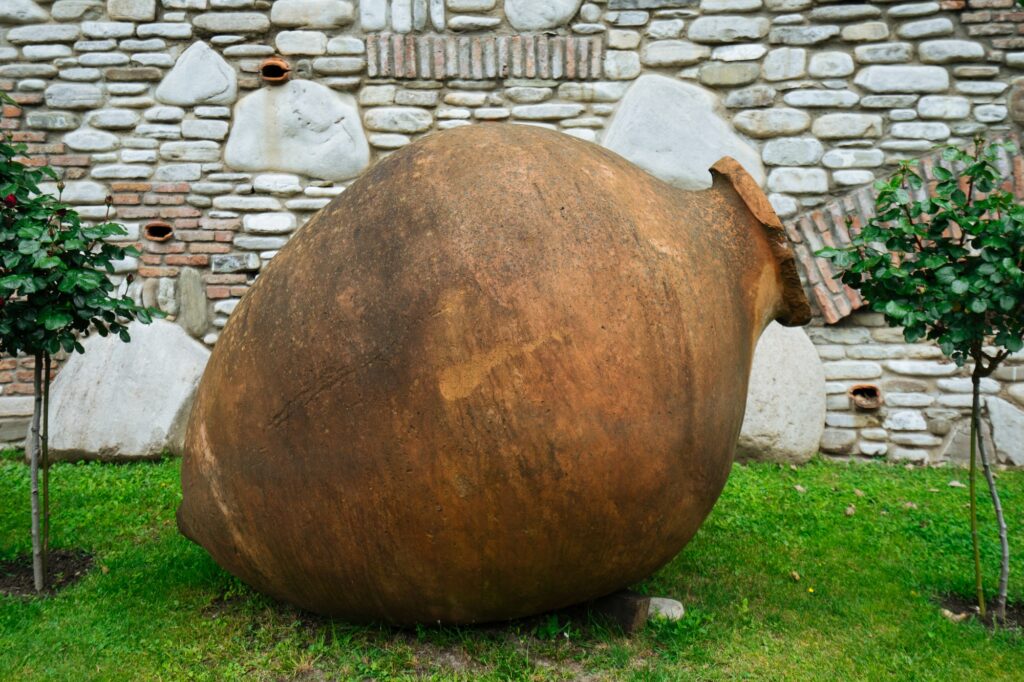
x: 504, y: 372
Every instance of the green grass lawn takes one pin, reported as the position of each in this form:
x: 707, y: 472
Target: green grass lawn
x: 155, y: 606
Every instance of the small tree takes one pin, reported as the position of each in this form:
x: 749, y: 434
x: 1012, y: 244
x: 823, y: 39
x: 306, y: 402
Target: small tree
x: 53, y: 291
x: 949, y: 268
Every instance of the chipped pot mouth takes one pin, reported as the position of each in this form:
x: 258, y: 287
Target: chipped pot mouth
x: 865, y: 396
x: 158, y: 231
x: 275, y: 70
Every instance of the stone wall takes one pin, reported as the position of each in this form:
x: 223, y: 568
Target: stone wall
x: 159, y: 104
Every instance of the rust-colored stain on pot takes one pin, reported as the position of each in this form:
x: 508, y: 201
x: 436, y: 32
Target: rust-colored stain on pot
x: 504, y: 372
x: 275, y: 70
x: 158, y: 231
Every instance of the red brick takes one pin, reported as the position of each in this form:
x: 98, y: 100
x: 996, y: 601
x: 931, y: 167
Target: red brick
x: 195, y: 235
x: 28, y: 97
x: 239, y: 290
x: 179, y: 187
x: 215, y: 292
x: 207, y: 247
x: 134, y: 212
x: 164, y: 247
x: 197, y: 260
x: 232, y: 278
x: 146, y: 271
x: 990, y: 4
x: 11, y: 111
x: 130, y: 186
x: 69, y: 160
x: 28, y: 136
x: 126, y: 199
x: 180, y: 212
x: 163, y: 199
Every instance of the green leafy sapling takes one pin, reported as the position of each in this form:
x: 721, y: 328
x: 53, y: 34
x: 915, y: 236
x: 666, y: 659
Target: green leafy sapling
x: 54, y: 289
x: 949, y: 268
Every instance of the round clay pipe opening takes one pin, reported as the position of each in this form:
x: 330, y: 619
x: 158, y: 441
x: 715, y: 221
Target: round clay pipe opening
x: 275, y: 70
x: 865, y: 396
x: 158, y: 231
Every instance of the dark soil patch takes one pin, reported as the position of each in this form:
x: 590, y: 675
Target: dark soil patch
x: 959, y: 605
x: 66, y: 567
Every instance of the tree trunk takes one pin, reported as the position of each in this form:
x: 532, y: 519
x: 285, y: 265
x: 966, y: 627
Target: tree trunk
x: 1004, y: 543
x: 45, y: 463
x: 38, y: 575
x: 980, y: 592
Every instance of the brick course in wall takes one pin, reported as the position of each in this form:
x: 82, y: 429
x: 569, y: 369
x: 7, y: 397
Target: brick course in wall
x: 830, y: 95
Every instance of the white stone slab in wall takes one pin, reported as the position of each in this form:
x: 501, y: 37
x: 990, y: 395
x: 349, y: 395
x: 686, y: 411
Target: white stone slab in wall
x: 785, y: 416
x: 271, y: 123
x: 1007, y: 430
x: 538, y: 15
x: 21, y: 12
x: 126, y: 400
x: 677, y: 131
x: 200, y: 76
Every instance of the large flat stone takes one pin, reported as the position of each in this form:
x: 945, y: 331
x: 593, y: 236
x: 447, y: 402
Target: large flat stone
x: 903, y: 79
x: 21, y: 12
x: 538, y: 15
x: 1007, y: 430
x: 272, y: 123
x: 200, y: 76
x: 312, y: 13
x: 676, y: 131
x: 126, y: 400
x: 785, y: 416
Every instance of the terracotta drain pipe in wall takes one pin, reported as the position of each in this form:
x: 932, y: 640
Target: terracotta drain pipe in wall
x: 158, y: 231
x: 275, y: 70
x: 865, y: 396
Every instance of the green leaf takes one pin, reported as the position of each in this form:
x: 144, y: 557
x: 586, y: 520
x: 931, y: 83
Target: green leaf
x: 54, y: 319
x: 1007, y: 302
x: 959, y: 286
x: 978, y: 305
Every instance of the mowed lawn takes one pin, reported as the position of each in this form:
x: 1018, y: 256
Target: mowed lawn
x: 784, y: 581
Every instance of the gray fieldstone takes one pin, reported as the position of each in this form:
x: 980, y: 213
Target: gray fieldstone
x: 132, y: 10
x: 270, y: 123
x: 312, y: 13
x: 727, y: 29
x: 922, y: 368
x: 850, y: 178
x: 729, y: 73
x: 665, y: 28
x: 990, y: 113
x: 471, y: 22
x: 673, y: 53
x: 836, y: 126
x: 948, y: 51
x: 869, y: 31
x: 838, y: 441
x: 190, y: 302
x: 921, y: 130
x: 539, y: 15
x: 792, y: 151
x: 884, y: 53
x: 905, y: 420
x: 841, y: 99
x: 1007, y: 430
x: 403, y: 119
x: 831, y: 65
x: 73, y: 96
x: 113, y: 119
x: 752, y: 97
x: 785, y: 414
x: 301, y: 42
x: 798, y: 181
x: 677, y: 131
x: 621, y: 64
x: 88, y: 140
x: 662, y: 607
x: 738, y: 53
x: 77, y: 192
x: 69, y: 10
x: 234, y: 262
x: 921, y: 79
x: 126, y: 400
x: 52, y: 120
x: 269, y: 223
x: 200, y: 76
x: 1017, y: 393
x: 926, y: 28
x: 785, y: 63
x: 853, y: 12
x: 21, y: 12
x: 944, y: 107
x: 43, y: 33
x: 762, y: 123
x: 231, y: 22
x: 803, y: 35
x: 853, y: 158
